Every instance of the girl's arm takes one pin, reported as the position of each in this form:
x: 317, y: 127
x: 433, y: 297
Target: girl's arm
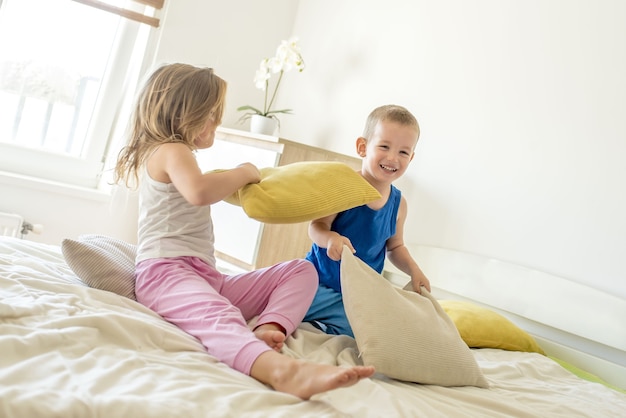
x: 399, y: 255
x: 175, y: 163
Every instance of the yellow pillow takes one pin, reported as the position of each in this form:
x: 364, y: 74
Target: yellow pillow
x: 483, y: 328
x: 303, y: 191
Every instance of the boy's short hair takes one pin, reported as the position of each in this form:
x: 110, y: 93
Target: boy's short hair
x: 393, y: 113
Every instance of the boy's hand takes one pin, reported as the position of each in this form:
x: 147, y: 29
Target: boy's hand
x: 419, y: 281
x: 335, y: 244
x: 415, y: 285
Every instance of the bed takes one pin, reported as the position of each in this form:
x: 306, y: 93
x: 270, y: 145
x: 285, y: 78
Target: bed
x: 71, y: 350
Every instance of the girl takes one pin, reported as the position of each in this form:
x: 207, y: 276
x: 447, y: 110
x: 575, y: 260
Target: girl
x: 177, y: 113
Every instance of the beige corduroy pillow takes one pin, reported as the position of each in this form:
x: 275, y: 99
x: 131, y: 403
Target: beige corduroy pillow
x: 102, y: 262
x: 404, y: 335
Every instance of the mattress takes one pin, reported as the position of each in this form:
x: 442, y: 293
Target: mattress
x: 69, y: 350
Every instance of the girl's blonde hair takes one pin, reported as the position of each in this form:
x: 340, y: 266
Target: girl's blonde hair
x: 393, y: 113
x: 174, y: 105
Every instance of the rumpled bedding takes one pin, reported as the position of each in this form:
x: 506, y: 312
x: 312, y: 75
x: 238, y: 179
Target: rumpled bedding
x: 67, y: 350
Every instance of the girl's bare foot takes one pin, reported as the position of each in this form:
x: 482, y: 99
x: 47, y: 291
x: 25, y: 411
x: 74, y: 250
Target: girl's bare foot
x: 302, y: 378
x: 272, y: 334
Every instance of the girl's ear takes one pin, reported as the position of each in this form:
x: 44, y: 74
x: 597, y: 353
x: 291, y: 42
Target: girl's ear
x: 361, y: 146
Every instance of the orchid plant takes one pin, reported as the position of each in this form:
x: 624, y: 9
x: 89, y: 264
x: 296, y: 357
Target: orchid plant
x: 287, y: 57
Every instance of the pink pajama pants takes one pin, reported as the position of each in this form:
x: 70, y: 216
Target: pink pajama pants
x: 214, y: 307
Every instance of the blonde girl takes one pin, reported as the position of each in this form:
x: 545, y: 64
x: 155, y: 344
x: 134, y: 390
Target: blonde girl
x: 176, y: 113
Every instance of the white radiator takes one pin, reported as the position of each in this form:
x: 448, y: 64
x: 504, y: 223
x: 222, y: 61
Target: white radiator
x: 13, y: 225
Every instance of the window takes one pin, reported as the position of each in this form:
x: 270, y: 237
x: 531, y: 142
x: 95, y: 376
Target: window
x: 64, y: 69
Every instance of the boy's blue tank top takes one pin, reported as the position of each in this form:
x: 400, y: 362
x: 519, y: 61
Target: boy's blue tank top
x: 368, y: 230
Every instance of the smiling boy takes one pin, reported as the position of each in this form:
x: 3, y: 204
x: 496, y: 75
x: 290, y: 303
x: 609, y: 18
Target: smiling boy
x: 373, y: 231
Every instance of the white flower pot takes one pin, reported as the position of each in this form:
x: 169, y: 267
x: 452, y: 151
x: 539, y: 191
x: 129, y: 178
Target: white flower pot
x: 263, y: 125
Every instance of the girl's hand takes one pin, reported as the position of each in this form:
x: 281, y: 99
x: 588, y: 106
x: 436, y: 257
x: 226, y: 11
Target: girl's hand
x: 251, y: 172
x: 334, y: 246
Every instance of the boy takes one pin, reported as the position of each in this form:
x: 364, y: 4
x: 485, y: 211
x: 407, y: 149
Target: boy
x: 371, y: 231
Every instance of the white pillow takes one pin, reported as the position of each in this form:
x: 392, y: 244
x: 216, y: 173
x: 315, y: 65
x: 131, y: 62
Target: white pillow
x: 102, y: 262
x: 404, y: 335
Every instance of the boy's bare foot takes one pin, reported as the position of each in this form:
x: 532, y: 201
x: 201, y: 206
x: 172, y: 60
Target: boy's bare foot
x: 302, y: 378
x: 272, y: 334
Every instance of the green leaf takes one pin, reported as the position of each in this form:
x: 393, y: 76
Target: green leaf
x: 286, y: 111
x: 253, y: 109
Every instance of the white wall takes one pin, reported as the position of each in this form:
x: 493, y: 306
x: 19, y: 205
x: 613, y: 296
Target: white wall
x: 522, y: 106
x: 67, y: 211
x: 232, y: 37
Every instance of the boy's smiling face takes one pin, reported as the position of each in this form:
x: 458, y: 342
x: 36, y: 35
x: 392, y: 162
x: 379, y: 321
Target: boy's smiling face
x: 387, y: 154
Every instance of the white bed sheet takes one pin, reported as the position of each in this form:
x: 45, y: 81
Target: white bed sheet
x: 68, y: 350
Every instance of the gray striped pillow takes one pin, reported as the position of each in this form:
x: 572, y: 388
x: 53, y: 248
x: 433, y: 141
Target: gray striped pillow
x: 102, y: 262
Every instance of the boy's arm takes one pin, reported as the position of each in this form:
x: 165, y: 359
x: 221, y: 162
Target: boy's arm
x: 399, y: 255
x: 320, y: 233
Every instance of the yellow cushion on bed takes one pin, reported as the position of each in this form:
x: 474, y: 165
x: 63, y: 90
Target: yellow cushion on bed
x: 102, y: 262
x: 483, y: 328
x: 303, y: 191
x: 404, y: 335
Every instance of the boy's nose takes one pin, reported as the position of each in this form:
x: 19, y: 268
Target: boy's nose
x: 392, y: 158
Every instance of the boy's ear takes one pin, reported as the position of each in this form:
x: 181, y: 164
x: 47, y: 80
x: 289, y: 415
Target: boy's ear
x: 361, y: 146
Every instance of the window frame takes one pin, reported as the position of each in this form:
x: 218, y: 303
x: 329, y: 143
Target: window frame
x: 120, y: 77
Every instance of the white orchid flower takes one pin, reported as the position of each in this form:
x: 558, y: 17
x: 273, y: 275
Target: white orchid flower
x: 287, y: 57
x: 262, y: 75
